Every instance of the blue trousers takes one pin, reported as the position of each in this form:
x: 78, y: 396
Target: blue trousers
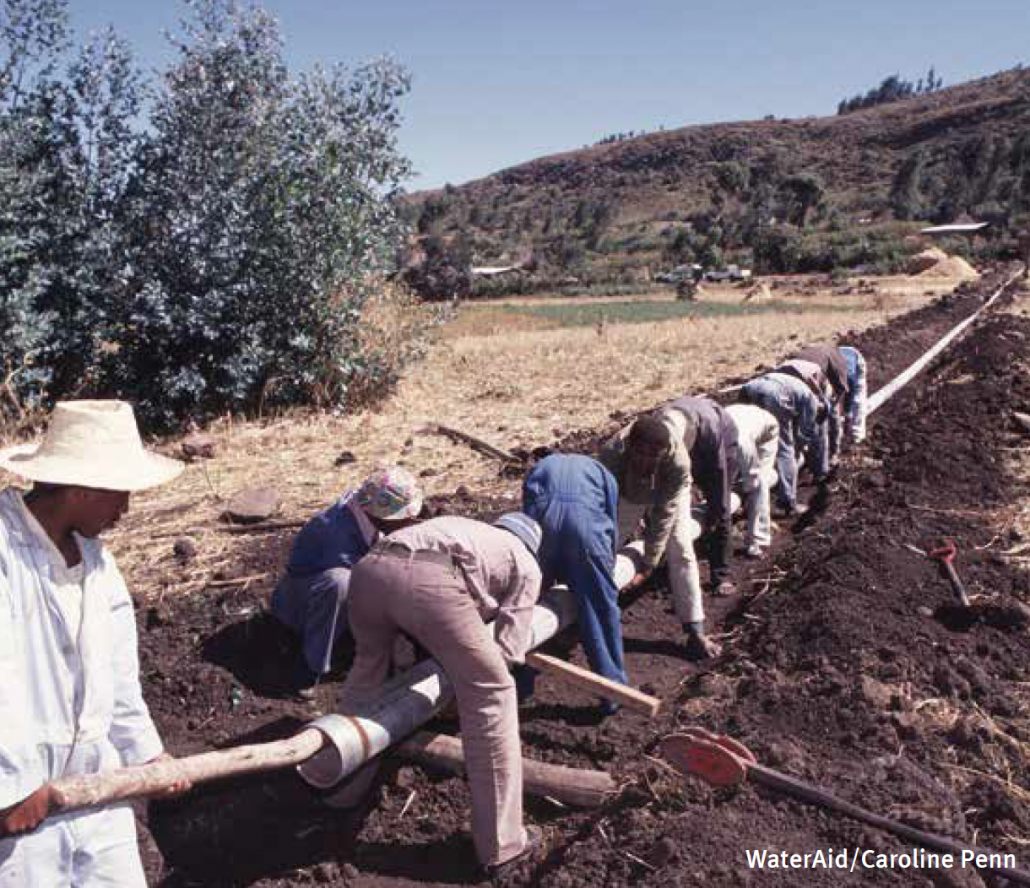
x: 776, y: 400
x: 316, y: 608
x: 575, y: 500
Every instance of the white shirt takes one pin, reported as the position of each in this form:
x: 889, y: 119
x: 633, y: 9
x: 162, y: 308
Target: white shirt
x: 67, y: 580
x: 70, y: 698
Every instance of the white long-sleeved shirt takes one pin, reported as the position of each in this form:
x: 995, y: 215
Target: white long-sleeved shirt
x: 70, y: 697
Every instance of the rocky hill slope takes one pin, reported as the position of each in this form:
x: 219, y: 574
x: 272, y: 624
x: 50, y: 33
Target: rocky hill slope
x: 754, y: 191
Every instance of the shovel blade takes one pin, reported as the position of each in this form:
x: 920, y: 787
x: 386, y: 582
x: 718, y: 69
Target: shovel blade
x: 702, y: 758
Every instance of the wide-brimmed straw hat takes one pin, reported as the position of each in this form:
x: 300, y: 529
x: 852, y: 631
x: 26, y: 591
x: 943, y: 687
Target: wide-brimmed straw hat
x: 91, y: 444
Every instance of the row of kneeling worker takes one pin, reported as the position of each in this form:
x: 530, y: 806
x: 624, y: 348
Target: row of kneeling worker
x: 462, y: 589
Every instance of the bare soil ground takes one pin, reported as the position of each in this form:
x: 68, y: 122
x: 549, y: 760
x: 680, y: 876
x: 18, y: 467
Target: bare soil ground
x: 844, y: 663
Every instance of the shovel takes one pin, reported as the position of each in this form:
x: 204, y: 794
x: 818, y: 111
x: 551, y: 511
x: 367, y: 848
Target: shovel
x: 945, y: 554
x: 722, y: 761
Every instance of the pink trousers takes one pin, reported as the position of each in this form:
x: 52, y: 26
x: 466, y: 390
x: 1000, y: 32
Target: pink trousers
x: 429, y: 601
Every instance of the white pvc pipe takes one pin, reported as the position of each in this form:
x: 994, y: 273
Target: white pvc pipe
x: 877, y: 400
x: 407, y: 702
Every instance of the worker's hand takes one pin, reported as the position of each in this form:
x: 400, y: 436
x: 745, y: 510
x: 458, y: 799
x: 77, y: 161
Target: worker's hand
x: 29, y: 813
x: 177, y: 788
x: 639, y: 578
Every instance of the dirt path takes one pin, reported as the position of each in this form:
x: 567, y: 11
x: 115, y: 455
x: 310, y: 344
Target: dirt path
x: 832, y: 672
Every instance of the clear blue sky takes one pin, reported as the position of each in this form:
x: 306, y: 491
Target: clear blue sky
x: 496, y: 84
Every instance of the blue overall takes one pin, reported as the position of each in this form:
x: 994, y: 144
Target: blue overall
x: 575, y: 500
x: 311, y: 597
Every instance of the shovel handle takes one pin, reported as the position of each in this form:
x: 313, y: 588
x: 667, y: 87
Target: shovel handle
x: 945, y: 554
x: 956, y: 583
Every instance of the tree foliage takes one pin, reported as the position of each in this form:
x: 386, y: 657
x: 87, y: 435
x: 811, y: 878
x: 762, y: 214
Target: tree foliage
x: 217, y: 259
x: 892, y: 88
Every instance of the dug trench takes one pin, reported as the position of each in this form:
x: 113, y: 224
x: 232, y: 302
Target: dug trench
x: 844, y: 663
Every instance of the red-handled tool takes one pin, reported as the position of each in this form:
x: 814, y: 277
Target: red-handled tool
x: 945, y: 554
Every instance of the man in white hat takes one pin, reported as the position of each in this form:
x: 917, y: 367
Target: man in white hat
x: 311, y: 598
x: 70, y: 697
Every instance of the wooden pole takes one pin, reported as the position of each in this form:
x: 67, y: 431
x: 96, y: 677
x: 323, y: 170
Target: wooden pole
x: 629, y: 697
x: 475, y: 443
x: 86, y: 790
x: 572, y: 786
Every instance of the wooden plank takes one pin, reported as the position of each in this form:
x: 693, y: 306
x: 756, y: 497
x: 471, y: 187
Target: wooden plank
x: 572, y: 786
x: 629, y: 697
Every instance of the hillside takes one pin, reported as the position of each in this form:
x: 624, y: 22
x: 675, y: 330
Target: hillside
x: 791, y: 195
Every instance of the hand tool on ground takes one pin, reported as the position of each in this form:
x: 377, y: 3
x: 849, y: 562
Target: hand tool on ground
x: 629, y: 697
x: 945, y: 554
x: 722, y: 761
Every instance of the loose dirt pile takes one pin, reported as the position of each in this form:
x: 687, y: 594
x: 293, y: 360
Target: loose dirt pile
x: 935, y: 263
x: 844, y: 664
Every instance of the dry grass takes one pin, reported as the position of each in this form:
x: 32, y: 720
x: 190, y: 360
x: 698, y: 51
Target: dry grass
x: 507, y: 383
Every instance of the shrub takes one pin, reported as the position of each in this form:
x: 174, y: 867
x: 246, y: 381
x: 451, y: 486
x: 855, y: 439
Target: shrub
x: 220, y: 259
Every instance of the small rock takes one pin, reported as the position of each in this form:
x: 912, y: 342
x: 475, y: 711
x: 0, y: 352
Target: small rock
x: 462, y: 492
x: 924, y: 611
x: 428, y: 473
x: 1021, y: 421
x: 784, y: 755
x: 345, y: 459
x: 185, y: 550
x: 350, y: 871
x: 198, y: 446
x: 663, y: 852
x: 253, y: 504
x: 876, y: 693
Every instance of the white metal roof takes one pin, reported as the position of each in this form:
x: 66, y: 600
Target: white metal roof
x: 955, y: 228
x: 488, y: 270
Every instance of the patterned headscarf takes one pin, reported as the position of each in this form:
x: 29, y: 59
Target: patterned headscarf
x: 390, y: 494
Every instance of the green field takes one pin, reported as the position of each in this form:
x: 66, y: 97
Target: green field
x: 570, y: 315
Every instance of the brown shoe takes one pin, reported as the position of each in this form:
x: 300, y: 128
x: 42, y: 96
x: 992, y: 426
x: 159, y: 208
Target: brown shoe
x: 534, y: 845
